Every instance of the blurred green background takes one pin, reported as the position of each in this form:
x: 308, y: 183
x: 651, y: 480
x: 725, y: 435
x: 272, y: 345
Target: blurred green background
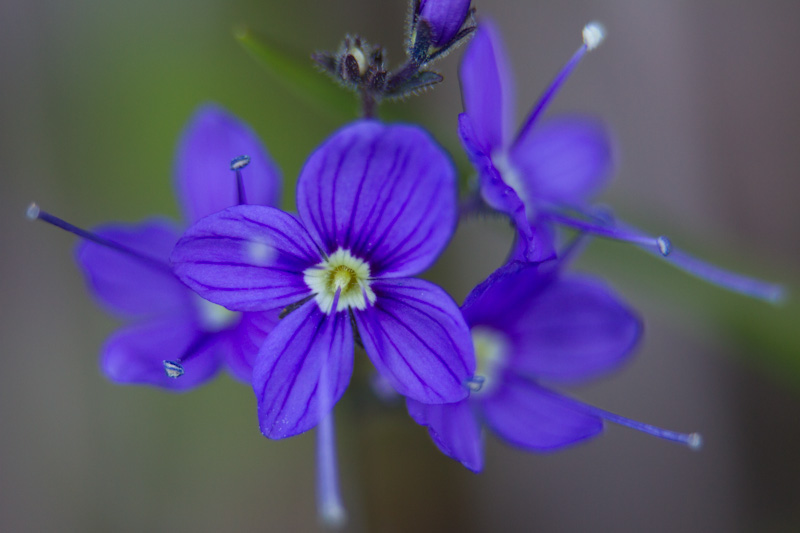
x: 703, y: 98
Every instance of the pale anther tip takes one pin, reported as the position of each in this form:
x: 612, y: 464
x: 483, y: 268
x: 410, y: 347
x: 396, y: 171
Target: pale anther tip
x: 475, y: 383
x: 664, y: 245
x: 593, y: 35
x: 32, y: 212
x: 695, y: 441
x: 333, y: 516
x: 238, y: 163
x: 173, y: 369
x: 778, y: 296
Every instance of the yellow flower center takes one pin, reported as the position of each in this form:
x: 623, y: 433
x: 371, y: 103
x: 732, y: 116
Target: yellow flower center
x: 343, y: 273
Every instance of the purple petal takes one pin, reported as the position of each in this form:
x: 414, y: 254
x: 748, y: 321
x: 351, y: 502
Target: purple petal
x: 573, y: 329
x: 531, y: 417
x: 126, y: 285
x: 542, y: 244
x: 304, y: 365
x: 498, y: 299
x: 532, y: 245
x: 558, y: 328
x: 246, y: 341
x: 453, y: 428
x: 417, y: 338
x: 445, y: 18
x: 246, y: 258
x: 134, y: 355
x: 203, y: 178
x: 386, y: 193
x: 487, y: 88
x: 564, y: 160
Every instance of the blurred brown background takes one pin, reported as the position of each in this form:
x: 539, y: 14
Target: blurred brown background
x: 703, y: 98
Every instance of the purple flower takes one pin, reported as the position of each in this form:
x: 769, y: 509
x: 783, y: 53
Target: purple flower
x: 548, y: 172
x: 528, y: 325
x: 126, y: 269
x: 376, y: 204
x: 444, y: 19
x: 565, y: 161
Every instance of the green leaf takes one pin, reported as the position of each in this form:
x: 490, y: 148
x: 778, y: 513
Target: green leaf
x: 298, y: 74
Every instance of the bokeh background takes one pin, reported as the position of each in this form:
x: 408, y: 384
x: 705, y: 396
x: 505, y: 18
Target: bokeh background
x: 703, y: 98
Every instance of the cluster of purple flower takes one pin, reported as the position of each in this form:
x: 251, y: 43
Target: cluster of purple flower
x: 281, y: 300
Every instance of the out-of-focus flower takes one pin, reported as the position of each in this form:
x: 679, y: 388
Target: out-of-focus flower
x: 566, y: 160
x: 376, y: 205
x: 548, y: 172
x: 529, y: 324
x: 127, y: 271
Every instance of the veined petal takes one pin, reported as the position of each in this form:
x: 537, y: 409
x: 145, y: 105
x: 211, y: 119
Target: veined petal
x: 246, y: 341
x: 246, y: 258
x: 203, y: 178
x: 417, y: 338
x: 307, y: 355
x: 134, y: 355
x: 564, y: 160
x: 487, y: 88
x: 531, y: 417
x: 129, y: 286
x: 453, y: 428
x: 386, y: 193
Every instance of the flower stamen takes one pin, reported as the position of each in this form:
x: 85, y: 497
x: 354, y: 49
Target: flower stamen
x: 593, y: 34
x: 340, y: 282
x: 34, y: 212
x: 237, y: 164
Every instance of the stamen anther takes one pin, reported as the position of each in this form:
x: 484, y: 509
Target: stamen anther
x: 33, y: 211
x: 695, y: 441
x: 238, y: 163
x: 475, y: 383
x: 593, y: 34
x: 664, y: 245
x: 173, y: 369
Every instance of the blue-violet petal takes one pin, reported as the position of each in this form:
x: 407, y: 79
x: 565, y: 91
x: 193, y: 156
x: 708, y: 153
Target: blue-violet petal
x: 454, y: 429
x: 135, y: 354
x: 416, y: 337
x: 308, y: 354
x: 385, y: 193
x: 533, y: 418
x: 246, y: 258
x: 126, y: 285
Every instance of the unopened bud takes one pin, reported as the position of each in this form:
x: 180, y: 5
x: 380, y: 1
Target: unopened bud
x: 444, y: 18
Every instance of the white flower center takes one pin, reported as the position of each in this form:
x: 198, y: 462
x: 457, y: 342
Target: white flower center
x: 491, y: 348
x: 214, y: 317
x: 344, y: 273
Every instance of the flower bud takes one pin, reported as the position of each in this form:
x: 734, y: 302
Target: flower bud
x: 444, y: 17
